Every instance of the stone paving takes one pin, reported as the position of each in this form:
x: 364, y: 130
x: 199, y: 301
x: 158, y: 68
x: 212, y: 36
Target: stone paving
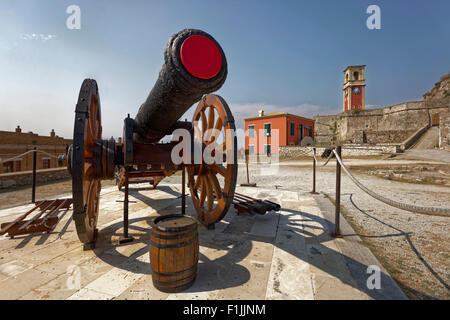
x: 288, y: 254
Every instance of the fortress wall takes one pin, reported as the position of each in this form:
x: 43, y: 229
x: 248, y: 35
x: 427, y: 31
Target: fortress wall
x: 392, y: 124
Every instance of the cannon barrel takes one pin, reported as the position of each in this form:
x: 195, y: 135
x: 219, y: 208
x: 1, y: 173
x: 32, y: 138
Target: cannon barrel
x: 194, y: 65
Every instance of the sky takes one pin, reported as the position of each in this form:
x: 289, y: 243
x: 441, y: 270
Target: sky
x: 282, y: 55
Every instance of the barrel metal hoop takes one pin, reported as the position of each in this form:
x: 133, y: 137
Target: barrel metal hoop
x: 170, y: 236
x: 174, y: 245
x: 181, y: 281
x: 179, y: 273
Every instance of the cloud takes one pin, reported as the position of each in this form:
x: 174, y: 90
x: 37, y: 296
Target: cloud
x: 35, y: 36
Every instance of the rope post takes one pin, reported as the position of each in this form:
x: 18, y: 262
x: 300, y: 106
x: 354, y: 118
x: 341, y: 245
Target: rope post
x: 125, y: 238
x: 314, y: 172
x: 247, y: 152
x: 125, y: 208
x: 337, y: 233
x: 33, y: 179
x: 183, y: 191
x: 248, y: 184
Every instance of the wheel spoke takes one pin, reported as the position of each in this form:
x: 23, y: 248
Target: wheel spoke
x: 217, y: 168
x: 216, y: 185
x: 209, y: 193
x: 219, y: 124
x: 197, y: 182
x: 215, y: 133
x: 211, y: 117
x: 203, y: 191
x: 204, y: 122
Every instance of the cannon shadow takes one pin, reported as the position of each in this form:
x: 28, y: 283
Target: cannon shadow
x: 212, y: 274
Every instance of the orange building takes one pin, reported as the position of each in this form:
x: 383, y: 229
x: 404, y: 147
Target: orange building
x: 354, y: 88
x: 266, y: 132
x: 17, y: 143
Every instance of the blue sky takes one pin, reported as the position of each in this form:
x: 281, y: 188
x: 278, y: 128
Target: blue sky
x: 282, y: 55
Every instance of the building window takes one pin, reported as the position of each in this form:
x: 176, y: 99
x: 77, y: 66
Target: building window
x: 267, y: 149
x: 291, y: 144
x: 18, y: 165
x: 8, y: 166
x: 292, y: 129
x: 267, y: 129
x: 301, y: 132
x: 310, y: 131
x: 251, y: 131
x: 356, y: 75
x: 251, y: 149
x: 46, y: 163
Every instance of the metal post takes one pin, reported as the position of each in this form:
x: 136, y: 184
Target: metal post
x: 33, y: 181
x: 248, y: 184
x: 125, y: 238
x: 125, y: 208
x: 314, y: 172
x: 337, y: 232
x: 183, y: 191
x: 246, y: 164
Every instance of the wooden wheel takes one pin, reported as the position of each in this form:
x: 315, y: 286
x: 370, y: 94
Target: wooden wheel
x: 212, y: 184
x: 84, y: 161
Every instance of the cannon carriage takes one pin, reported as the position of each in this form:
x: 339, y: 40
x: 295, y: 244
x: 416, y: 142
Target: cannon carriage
x: 194, y: 67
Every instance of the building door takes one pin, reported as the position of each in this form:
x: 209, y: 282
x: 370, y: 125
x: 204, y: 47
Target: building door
x: 435, y: 119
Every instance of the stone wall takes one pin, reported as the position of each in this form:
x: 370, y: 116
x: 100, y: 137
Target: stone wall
x: 348, y: 150
x: 15, y: 179
x: 444, y: 131
x: 386, y: 125
x: 383, y: 136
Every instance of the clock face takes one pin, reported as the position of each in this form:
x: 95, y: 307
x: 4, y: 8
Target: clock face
x: 356, y: 90
x: 346, y: 92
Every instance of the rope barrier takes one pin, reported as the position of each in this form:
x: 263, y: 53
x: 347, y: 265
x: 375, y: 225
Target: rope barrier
x: 29, y: 151
x: 326, y: 162
x: 50, y: 155
x: 433, y: 211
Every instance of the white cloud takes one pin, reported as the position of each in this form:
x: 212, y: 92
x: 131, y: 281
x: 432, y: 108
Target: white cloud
x: 35, y: 36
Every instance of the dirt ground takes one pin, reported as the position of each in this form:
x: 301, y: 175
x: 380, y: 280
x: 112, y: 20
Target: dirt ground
x: 414, y: 248
x: 438, y: 174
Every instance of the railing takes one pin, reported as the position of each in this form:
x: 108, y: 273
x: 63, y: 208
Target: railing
x: 337, y: 152
x: 33, y: 180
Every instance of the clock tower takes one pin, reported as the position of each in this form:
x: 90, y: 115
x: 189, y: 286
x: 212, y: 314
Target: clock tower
x: 354, y: 88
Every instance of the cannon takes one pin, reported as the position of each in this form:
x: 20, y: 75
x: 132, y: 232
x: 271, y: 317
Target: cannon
x: 194, y: 67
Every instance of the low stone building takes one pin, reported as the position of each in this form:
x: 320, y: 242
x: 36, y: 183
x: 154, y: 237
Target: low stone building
x: 13, y: 145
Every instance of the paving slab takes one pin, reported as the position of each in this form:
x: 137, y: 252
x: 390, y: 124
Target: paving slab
x: 265, y: 226
x: 288, y: 254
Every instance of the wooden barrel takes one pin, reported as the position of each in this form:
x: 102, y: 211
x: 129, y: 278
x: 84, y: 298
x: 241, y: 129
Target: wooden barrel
x: 173, y: 252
